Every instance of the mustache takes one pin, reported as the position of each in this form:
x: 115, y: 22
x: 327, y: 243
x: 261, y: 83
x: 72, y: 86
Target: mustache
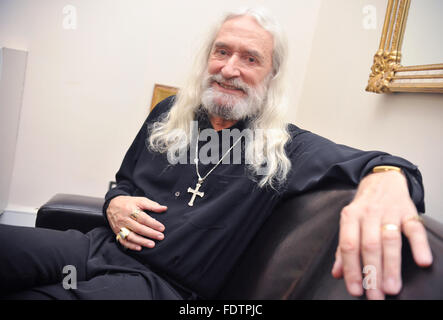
x: 237, y: 83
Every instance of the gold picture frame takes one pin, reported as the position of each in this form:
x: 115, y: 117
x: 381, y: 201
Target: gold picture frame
x: 160, y: 93
x: 388, y: 75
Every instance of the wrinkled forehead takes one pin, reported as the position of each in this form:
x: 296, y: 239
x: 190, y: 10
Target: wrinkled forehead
x: 246, y: 33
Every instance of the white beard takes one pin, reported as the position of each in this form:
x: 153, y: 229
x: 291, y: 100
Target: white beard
x: 229, y: 106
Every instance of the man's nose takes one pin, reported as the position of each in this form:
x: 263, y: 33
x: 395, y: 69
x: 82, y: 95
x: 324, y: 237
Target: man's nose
x: 231, y: 68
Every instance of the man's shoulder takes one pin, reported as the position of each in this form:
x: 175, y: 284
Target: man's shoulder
x: 161, y: 109
x: 295, y: 131
x: 301, y: 137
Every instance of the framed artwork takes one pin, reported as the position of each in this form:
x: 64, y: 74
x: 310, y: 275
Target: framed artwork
x: 161, y: 92
x: 388, y: 74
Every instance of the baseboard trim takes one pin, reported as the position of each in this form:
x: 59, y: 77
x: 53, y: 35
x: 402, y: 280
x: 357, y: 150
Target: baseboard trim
x: 17, y: 218
x: 21, y: 209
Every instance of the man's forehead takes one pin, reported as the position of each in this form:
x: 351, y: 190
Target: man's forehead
x: 248, y: 31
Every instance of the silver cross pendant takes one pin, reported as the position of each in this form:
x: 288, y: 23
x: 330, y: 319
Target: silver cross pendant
x: 195, y: 192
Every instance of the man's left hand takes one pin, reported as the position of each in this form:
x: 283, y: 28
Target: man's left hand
x: 370, y: 232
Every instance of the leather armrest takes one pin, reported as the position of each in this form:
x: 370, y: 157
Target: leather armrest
x: 289, y: 248
x: 68, y: 211
x: 292, y: 255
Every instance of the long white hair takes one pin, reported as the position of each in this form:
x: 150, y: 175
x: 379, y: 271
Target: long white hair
x: 267, y: 152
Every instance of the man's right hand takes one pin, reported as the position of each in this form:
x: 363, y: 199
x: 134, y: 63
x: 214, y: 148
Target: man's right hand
x: 143, y: 228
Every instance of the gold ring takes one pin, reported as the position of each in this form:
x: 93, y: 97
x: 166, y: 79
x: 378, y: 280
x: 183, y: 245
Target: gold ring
x: 124, y: 232
x: 414, y: 217
x: 117, y: 238
x: 389, y: 227
x: 134, y: 214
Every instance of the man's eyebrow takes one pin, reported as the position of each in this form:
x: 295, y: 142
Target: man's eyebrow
x: 219, y: 44
x: 251, y: 52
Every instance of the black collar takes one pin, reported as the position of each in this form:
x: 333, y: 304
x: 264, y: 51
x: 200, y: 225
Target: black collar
x: 204, y: 123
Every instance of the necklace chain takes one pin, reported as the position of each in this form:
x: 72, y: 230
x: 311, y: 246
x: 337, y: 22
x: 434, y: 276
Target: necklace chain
x: 196, y: 160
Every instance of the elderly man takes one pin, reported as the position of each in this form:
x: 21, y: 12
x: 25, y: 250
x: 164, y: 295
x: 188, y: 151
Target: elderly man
x: 177, y: 228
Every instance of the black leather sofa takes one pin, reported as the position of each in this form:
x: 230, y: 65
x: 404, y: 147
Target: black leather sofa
x: 290, y: 258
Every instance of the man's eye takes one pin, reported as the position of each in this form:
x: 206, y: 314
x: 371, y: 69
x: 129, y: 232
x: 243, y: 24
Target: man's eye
x: 251, y: 59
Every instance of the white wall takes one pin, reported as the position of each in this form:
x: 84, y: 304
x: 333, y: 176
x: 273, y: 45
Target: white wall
x: 335, y: 104
x: 12, y: 79
x: 88, y: 90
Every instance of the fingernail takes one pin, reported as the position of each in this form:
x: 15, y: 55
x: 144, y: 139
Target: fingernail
x: 355, y: 289
x: 427, y: 259
x: 334, y: 267
x: 374, y: 294
x: 391, y: 286
x: 160, y: 237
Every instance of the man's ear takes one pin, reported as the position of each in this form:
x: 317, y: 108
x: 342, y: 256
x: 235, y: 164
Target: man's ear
x: 274, y: 73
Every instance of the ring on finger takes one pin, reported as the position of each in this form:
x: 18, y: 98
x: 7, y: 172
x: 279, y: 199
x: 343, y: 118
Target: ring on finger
x: 124, y: 232
x: 390, y: 227
x: 134, y: 214
x: 414, y: 217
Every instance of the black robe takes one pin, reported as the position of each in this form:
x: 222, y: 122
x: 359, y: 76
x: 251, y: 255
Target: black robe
x: 202, y: 243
